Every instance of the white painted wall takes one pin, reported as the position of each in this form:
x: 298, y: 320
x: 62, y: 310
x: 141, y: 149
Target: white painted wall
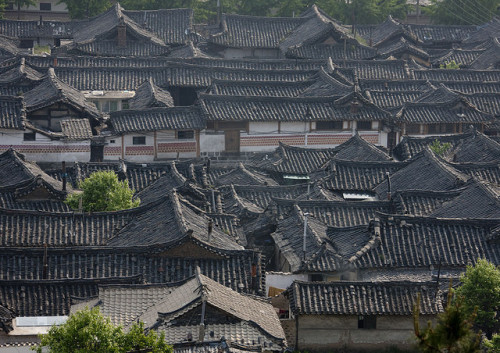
x: 43, y: 149
x: 212, y: 142
x: 287, y: 127
x: 55, y: 6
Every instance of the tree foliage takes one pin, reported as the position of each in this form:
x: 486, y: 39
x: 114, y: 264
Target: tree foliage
x: 453, y: 331
x: 102, y: 191
x: 481, y: 290
x: 22, y: 3
x: 440, y: 148
x: 79, y: 9
x: 462, y: 12
x: 357, y: 11
x: 451, y: 65
x: 493, y: 345
x: 88, y: 331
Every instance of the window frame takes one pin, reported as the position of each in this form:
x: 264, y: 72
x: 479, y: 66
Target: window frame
x: 329, y: 125
x: 46, y: 4
x: 139, y: 140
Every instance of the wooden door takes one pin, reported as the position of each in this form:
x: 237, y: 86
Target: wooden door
x: 232, y: 141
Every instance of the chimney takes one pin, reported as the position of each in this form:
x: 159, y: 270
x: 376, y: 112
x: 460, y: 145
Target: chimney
x: 354, y: 107
x: 122, y: 33
x: 388, y: 175
x: 64, y: 176
x: 214, y: 206
x: 54, y: 63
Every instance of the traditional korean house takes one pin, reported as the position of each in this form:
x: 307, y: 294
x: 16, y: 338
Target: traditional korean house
x: 197, y: 311
x: 358, y: 315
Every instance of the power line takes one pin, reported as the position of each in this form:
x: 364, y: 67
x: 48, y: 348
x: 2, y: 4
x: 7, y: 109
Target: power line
x: 479, y: 16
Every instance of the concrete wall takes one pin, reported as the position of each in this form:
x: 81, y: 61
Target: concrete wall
x: 326, y: 332
x: 43, y: 149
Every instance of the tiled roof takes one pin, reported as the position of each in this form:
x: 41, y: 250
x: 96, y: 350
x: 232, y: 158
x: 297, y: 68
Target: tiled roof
x: 148, y: 95
x: 20, y: 73
x: 440, y: 112
x: 486, y: 171
x: 425, y: 171
x: 404, y: 241
x: 168, y: 24
x: 377, y: 69
x: 258, y: 88
x: 358, y: 149
x: 468, y: 147
x: 317, y: 28
x: 158, y: 306
x: 12, y: 113
x: 421, y: 202
x: 188, y: 51
x: 14, y: 169
x: 6, y: 318
x: 364, y: 298
x: 244, y: 176
x: 154, y: 264
x: 326, y: 84
x: 335, y: 213
x: 8, y: 46
x: 33, y: 29
x: 289, y: 238
x: 154, y: 119
x: 76, y: 129
x: 50, y: 297
x: 392, y: 99
x: 52, y: 90
x: 358, y: 176
x: 295, y: 160
x: 355, y: 51
x: 441, y: 33
x: 387, y: 30
x: 99, y: 26
x: 31, y: 228
x: 400, y: 46
x: 459, y: 56
x: 182, y: 222
x: 486, y: 102
x: 174, y: 74
x: 111, y: 48
x: 254, y: 32
x: 481, y: 33
x: 393, y: 85
x: 478, y: 200
x: 457, y: 75
x: 231, y: 108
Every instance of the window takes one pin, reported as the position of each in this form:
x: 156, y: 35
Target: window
x: 30, y: 136
x: 329, y: 125
x: 45, y: 6
x: 367, y: 322
x: 185, y: 134
x: 112, y: 141
x: 113, y: 106
x: 364, y: 125
x: 316, y: 277
x: 139, y: 140
x: 125, y: 104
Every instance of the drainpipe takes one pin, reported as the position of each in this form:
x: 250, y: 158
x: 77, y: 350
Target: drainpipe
x: 388, y: 186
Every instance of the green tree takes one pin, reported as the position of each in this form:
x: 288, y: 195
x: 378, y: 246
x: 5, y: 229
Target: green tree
x: 462, y: 12
x: 451, y: 65
x: 79, y: 9
x: 493, y: 345
x: 102, y: 191
x: 453, y: 331
x: 89, y: 331
x: 481, y: 289
x: 440, y: 148
x: 22, y: 3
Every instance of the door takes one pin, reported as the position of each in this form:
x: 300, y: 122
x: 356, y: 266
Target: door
x: 232, y: 141
x: 96, y: 153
